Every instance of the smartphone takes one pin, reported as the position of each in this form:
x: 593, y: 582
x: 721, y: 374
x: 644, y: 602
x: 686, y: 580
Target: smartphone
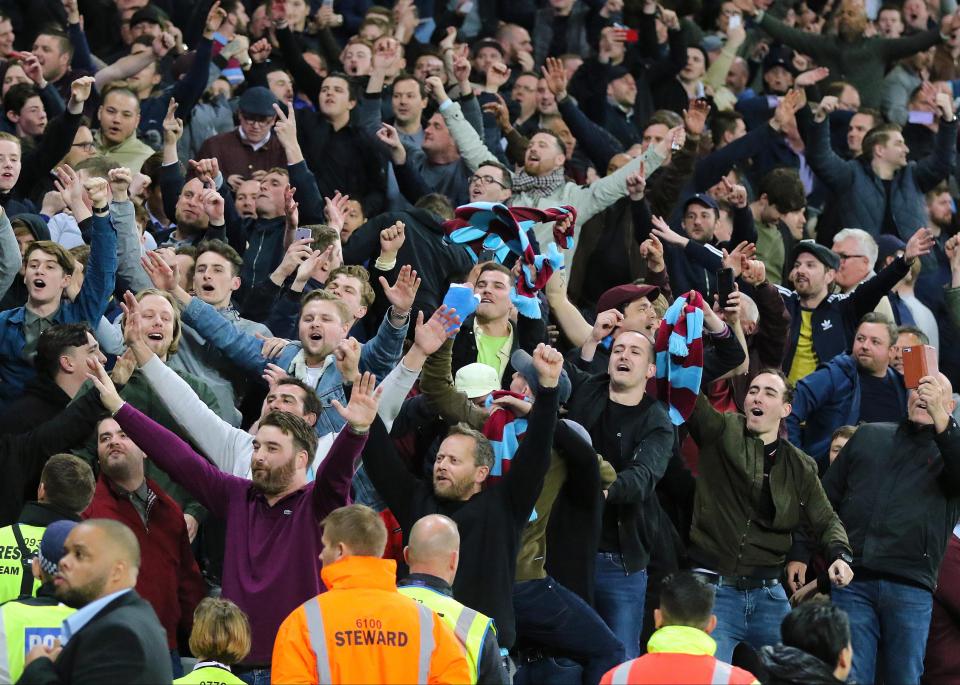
x: 327, y: 3
x: 724, y: 286
x: 917, y: 117
x: 303, y: 234
x: 734, y: 21
x: 631, y: 35
x: 918, y: 361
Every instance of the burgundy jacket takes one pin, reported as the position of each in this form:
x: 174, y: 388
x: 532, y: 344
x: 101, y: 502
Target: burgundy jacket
x: 169, y: 576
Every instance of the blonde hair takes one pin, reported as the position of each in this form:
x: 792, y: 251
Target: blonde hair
x: 327, y: 297
x: 177, y: 329
x: 221, y: 631
x: 358, y: 527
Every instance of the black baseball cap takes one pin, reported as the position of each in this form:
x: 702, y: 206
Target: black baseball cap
x: 824, y: 255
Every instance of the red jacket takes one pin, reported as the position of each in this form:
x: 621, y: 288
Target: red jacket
x: 169, y: 576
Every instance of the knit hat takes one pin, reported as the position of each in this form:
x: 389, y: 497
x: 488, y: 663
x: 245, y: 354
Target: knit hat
x: 51, y: 545
x: 476, y: 380
x: 679, y: 354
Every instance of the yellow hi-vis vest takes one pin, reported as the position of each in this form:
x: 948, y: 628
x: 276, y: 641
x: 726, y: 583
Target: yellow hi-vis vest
x: 209, y: 673
x: 16, y: 577
x: 468, y: 625
x: 22, y: 626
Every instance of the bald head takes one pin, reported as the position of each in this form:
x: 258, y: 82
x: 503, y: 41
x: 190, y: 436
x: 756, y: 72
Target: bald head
x: 434, y: 547
x: 101, y: 557
x: 120, y: 542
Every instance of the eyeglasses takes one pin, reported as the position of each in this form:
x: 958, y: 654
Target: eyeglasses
x: 845, y: 257
x: 259, y: 121
x: 486, y: 180
x: 85, y: 146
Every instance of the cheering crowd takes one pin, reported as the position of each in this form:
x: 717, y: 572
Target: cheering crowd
x: 479, y: 341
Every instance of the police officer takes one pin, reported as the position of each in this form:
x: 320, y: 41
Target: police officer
x: 361, y: 629
x: 65, y: 490
x: 27, y: 621
x: 433, y: 556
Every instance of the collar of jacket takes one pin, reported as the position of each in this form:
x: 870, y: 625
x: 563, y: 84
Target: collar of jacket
x: 361, y: 572
x: 48, y: 390
x: 682, y: 640
x: 428, y: 581
x: 42, y: 514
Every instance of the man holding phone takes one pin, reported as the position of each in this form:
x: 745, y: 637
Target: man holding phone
x: 896, y: 486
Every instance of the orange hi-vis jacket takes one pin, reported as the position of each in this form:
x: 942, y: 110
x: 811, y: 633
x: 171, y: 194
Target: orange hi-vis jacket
x: 678, y: 655
x: 361, y: 630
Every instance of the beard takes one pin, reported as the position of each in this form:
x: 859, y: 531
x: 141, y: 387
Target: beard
x: 451, y: 490
x: 851, y: 31
x: 78, y: 597
x: 275, y: 480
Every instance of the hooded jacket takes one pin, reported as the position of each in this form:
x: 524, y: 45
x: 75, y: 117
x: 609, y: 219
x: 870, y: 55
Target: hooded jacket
x: 791, y: 666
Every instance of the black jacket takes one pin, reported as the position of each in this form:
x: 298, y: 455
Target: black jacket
x: 41, y: 400
x: 437, y: 262
x: 527, y: 334
x: 649, y: 443
x: 896, y: 487
x: 123, y: 643
x: 835, y: 320
x: 490, y: 522
x: 22, y: 456
x: 791, y: 666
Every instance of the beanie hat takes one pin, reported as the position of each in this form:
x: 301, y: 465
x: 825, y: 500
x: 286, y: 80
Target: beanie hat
x: 679, y: 354
x: 51, y: 545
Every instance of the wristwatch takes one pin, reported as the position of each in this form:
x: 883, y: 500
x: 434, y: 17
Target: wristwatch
x: 844, y: 557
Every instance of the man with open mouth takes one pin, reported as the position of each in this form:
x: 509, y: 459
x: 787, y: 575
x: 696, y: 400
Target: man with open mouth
x: 756, y: 490
x: 48, y: 268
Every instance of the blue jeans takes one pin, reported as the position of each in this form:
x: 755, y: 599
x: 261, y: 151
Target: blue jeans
x: 552, y: 616
x: 894, y: 617
x: 258, y: 676
x: 751, y: 616
x: 619, y: 598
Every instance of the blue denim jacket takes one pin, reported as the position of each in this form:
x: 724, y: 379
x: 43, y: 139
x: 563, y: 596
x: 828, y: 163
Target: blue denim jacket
x: 378, y: 355
x: 91, y: 303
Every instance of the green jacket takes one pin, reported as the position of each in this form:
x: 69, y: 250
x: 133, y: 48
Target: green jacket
x: 862, y: 63
x: 724, y: 535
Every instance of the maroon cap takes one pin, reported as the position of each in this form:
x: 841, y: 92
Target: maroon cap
x: 625, y: 294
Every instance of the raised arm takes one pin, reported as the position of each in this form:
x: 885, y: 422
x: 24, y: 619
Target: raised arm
x: 468, y: 141
x: 532, y: 459
x: 936, y: 166
x: 241, y: 348
x: 100, y: 275
x: 212, y: 488
x: 130, y: 272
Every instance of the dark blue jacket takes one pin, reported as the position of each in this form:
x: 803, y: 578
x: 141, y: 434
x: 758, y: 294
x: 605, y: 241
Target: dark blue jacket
x: 15, y: 371
x: 827, y: 399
